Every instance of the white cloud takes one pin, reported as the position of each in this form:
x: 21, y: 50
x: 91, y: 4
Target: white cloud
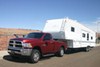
x: 98, y: 18
x: 95, y: 25
x: 91, y: 26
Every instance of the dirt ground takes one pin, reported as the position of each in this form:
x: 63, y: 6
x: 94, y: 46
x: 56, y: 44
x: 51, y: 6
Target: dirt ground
x: 70, y: 59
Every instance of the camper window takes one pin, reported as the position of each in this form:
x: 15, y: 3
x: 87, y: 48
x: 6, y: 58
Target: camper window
x: 83, y: 35
x: 87, y: 36
x: 91, y: 38
x: 47, y: 37
x: 72, y: 29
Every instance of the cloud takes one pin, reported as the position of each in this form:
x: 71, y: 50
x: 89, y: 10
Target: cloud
x: 94, y: 25
x: 98, y: 18
x: 91, y: 26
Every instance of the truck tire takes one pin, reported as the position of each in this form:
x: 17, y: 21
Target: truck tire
x: 61, y: 52
x: 87, y: 49
x: 35, y: 56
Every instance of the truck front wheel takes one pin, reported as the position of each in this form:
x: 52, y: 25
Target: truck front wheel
x: 35, y: 56
x: 61, y: 52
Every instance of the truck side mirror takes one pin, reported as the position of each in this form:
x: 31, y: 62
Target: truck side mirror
x: 16, y: 35
x: 23, y: 36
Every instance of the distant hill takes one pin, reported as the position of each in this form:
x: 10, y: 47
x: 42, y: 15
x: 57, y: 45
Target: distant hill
x: 7, y: 33
x: 16, y: 31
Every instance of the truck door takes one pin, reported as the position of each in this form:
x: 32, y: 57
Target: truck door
x: 48, y: 44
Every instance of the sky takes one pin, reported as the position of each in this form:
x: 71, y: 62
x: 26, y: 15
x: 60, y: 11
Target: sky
x: 32, y: 14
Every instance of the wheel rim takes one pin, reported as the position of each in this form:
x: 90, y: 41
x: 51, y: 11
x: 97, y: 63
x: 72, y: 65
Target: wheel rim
x: 87, y: 49
x: 62, y: 52
x: 36, y: 56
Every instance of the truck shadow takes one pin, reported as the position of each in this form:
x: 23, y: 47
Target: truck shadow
x: 24, y: 59
x: 18, y: 60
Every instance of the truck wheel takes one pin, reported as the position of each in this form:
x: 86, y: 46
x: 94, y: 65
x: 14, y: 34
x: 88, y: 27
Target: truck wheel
x: 61, y: 52
x: 88, y: 48
x: 35, y: 56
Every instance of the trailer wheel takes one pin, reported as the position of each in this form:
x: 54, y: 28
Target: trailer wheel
x: 88, y: 48
x: 35, y: 56
x: 61, y: 52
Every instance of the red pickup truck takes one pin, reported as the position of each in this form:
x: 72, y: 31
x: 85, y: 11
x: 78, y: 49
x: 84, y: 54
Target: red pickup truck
x: 36, y: 45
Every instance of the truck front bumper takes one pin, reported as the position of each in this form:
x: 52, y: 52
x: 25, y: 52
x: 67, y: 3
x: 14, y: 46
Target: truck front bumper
x: 20, y: 51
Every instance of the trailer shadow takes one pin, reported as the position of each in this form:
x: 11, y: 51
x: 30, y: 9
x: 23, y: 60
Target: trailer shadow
x: 72, y: 51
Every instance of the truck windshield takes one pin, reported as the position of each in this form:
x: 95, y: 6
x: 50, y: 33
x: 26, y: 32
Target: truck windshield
x: 34, y: 35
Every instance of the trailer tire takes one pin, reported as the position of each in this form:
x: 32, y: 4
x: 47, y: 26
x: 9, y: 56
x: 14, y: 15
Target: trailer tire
x: 61, y: 52
x: 87, y: 49
x: 35, y: 56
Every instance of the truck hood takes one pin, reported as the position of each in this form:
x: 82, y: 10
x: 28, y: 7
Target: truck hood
x: 26, y: 39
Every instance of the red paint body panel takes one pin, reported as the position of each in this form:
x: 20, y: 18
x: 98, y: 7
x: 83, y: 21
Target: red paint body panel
x: 47, y: 46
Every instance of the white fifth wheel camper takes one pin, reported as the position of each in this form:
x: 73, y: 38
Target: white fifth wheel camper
x: 72, y: 32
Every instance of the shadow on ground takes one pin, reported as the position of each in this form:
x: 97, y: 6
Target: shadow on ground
x: 72, y: 51
x: 26, y: 60
x: 17, y: 59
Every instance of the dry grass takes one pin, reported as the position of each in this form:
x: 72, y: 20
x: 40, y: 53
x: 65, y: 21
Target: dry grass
x: 6, y: 34
x: 15, y: 31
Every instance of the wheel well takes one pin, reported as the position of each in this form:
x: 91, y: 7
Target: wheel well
x: 63, y: 48
x: 38, y: 48
x: 88, y: 46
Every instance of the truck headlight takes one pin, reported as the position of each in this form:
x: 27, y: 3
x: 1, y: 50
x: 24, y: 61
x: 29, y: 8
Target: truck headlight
x: 27, y: 45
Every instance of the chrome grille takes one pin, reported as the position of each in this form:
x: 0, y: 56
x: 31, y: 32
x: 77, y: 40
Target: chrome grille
x: 14, y: 43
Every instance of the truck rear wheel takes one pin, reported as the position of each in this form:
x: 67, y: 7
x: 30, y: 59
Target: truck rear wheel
x: 35, y: 56
x: 61, y: 52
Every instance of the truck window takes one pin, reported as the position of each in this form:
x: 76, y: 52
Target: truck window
x: 34, y: 35
x: 47, y: 37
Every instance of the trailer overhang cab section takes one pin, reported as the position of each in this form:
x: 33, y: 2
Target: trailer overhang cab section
x: 73, y: 32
